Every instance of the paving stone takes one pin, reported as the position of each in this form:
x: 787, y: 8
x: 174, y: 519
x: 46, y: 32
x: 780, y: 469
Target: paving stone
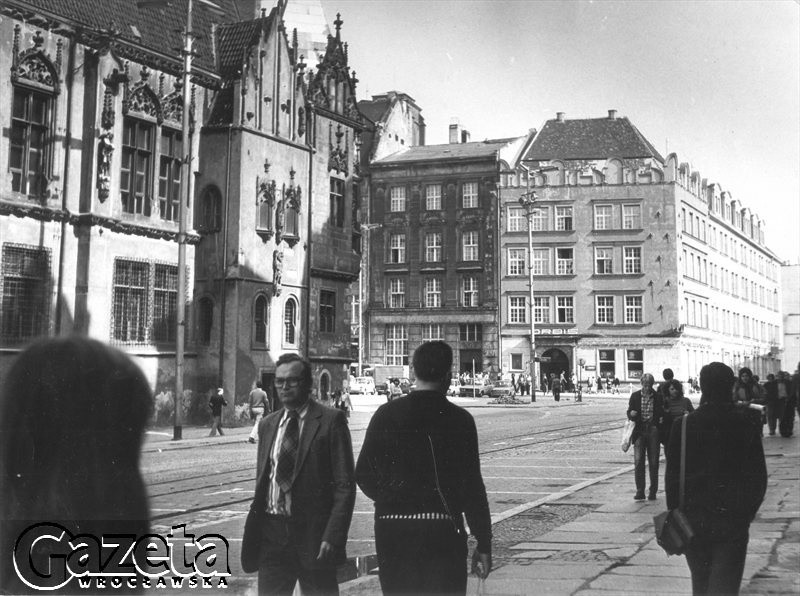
x: 542, y: 546
x: 535, y: 554
x: 601, y: 526
x: 499, y: 586
x: 642, y: 584
x: 597, y: 538
x: 654, y: 570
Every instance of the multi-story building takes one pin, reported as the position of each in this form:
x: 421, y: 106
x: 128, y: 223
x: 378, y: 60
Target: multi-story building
x: 433, y: 273
x: 790, y: 276
x: 89, y: 199
x: 638, y: 263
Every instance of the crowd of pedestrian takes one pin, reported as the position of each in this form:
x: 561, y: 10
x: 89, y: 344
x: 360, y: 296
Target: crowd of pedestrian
x: 419, y: 464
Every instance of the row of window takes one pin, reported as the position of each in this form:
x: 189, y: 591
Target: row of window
x: 560, y: 218
x: 698, y: 313
x: 469, y: 247
x: 607, y: 260
x: 561, y: 309
x: 432, y: 292
x: 698, y: 268
x: 695, y: 225
x: 606, y: 359
x: 396, y: 338
x: 398, y: 201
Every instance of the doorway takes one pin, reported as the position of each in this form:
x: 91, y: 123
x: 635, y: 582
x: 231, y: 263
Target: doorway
x: 554, y: 361
x: 466, y: 359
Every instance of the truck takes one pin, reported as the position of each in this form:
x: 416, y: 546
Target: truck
x: 382, y: 373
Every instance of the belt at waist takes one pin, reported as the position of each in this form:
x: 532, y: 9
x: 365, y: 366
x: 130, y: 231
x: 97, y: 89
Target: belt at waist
x: 432, y: 515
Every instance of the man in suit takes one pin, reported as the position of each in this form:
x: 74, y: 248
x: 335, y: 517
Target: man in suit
x: 305, y: 451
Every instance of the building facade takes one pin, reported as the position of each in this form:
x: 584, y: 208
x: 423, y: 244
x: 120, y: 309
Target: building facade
x: 790, y: 276
x: 89, y: 199
x: 433, y: 273
x: 638, y: 263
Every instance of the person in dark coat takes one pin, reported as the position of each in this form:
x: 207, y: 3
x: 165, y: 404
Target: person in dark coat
x: 726, y: 479
x: 216, y: 403
x: 72, y: 418
x: 646, y: 409
x: 676, y: 404
x: 419, y: 463
x: 557, y: 388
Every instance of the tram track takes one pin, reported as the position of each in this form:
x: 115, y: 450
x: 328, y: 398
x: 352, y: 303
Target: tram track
x: 245, y: 474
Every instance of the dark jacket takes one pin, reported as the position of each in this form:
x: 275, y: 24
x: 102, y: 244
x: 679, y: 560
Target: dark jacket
x: 396, y: 465
x: 726, y: 475
x: 635, y: 404
x: 673, y: 410
x: 323, y: 489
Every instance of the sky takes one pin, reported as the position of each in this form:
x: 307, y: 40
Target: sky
x: 716, y: 82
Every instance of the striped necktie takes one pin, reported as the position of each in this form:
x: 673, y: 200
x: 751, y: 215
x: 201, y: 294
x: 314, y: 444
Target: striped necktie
x: 287, y: 456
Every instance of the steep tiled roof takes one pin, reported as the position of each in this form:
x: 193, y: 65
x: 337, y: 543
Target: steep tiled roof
x: 234, y: 40
x: 591, y: 138
x: 374, y: 109
x: 479, y: 149
x: 155, y: 27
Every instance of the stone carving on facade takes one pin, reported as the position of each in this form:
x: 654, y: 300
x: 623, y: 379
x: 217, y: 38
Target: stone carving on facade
x: 277, y: 271
x: 266, y: 192
x: 280, y: 221
x: 34, y: 64
x: 337, y: 157
x: 105, y: 151
x: 141, y: 98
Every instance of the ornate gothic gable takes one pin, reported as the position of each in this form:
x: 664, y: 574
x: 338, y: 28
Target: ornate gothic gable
x: 142, y: 99
x: 34, y: 65
x: 333, y: 86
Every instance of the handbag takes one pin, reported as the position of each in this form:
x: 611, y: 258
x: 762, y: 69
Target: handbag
x: 627, y: 432
x: 254, y: 528
x: 674, y: 532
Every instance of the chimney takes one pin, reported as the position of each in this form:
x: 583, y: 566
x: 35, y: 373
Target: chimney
x: 465, y: 136
x: 560, y: 116
x: 612, y: 114
x: 455, y: 131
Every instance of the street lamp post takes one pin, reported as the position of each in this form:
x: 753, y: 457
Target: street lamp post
x: 183, y: 203
x: 527, y: 201
x: 366, y: 228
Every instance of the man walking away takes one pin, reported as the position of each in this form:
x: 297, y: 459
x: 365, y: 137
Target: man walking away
x: 419, y: 463
x: 726, y: 479
x: 215, y: 403
x: 557, y: 388
x: 259, y: 406
x: 646, y: 409
x: 306, y: 458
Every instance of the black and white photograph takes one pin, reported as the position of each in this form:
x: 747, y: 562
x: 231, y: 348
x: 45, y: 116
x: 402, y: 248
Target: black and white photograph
x: 400, y: 297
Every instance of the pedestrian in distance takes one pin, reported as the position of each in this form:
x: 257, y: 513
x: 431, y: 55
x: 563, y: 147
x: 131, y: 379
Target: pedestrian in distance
x: 420, y: 465
x: 746, y: 391
x: 725, y: 482
x: 663, y: 387
x: 395, y: 390
x: 599, y: 384
x: 786, y: 404
x: 72, y: 417
x: 305, y: 458
x: 646, y: 409
x: 216, y: 403
x: 514, y: 383
x: 259, y: 405
x: 557, y: 388
x: 615, y: 383
x: 676, y: 404
x: 774, y: 408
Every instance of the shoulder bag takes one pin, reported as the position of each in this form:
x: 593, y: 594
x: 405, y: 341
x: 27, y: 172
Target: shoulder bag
x: 254, y: 527
x: 673, y: 531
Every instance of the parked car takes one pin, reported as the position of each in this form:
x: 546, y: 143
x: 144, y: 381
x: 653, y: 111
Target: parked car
x: 502, y: 388
x: 477, y: 390
x: 365, y: 385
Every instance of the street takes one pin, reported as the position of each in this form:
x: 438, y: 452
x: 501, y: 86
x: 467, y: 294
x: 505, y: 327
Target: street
x: 529, y: 456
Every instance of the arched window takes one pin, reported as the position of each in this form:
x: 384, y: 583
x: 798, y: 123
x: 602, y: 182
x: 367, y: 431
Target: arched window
x: 324, y: 386
x: 210, y: 210
x: 260, y: 320
x: 35, y: 87
x: 290, y: 322
x: 614, y: 172
x: 205, y: 320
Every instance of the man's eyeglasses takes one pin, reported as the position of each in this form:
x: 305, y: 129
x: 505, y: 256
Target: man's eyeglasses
x: 290, y: 382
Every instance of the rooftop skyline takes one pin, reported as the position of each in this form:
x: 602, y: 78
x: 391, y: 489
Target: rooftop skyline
x: 716, y: 82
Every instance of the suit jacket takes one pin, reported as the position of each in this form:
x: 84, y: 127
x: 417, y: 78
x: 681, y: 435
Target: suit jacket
x: 323, y: 487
